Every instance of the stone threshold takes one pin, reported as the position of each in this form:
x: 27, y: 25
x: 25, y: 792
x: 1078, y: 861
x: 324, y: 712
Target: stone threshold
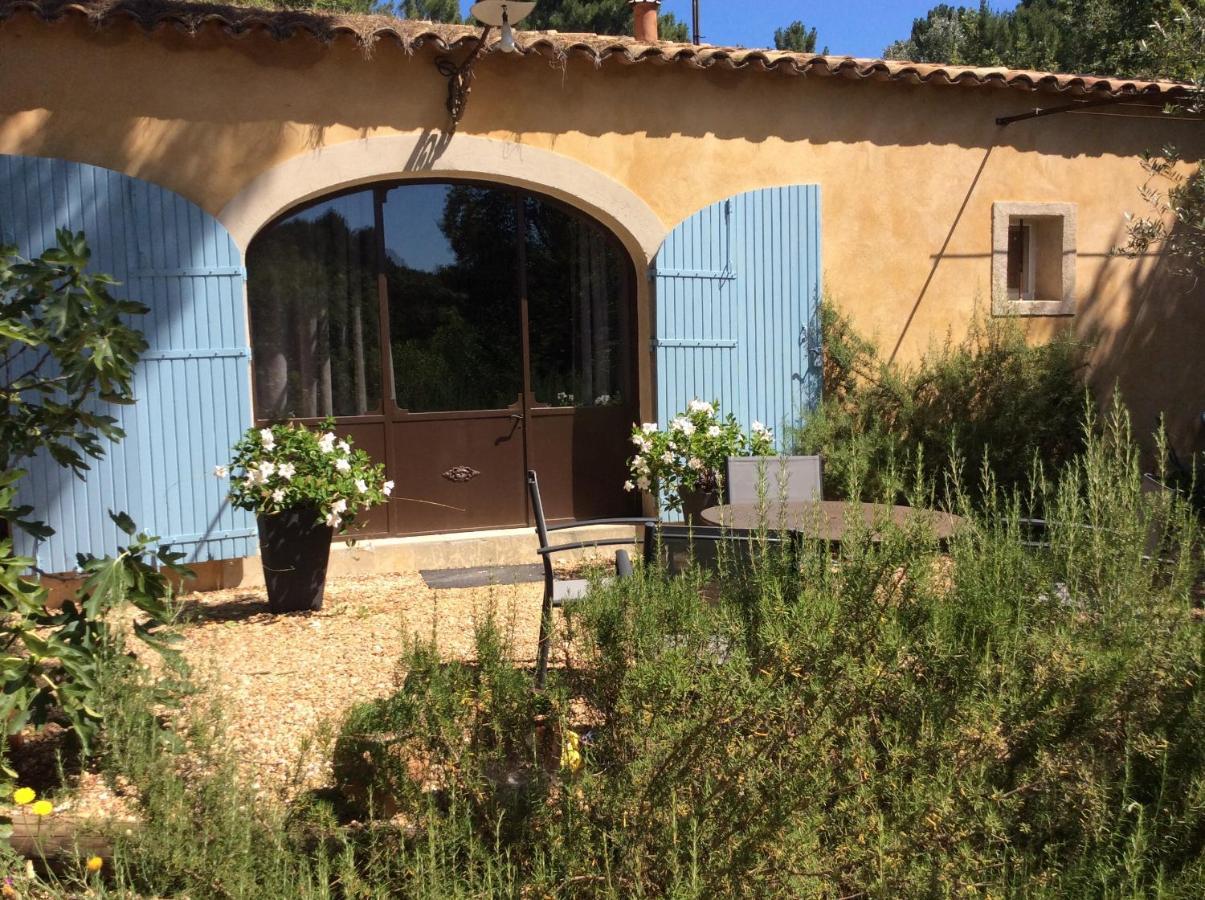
x: 382, y: 556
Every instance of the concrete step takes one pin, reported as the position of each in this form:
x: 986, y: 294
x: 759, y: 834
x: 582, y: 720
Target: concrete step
x: 473, y: 549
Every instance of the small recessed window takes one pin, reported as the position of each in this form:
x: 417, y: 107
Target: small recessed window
x: 1020, y: 260
x: 1033, y: 259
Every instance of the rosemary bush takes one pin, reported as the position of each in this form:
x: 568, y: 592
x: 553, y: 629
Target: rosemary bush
x: 998, y: 718
x: 1010, y: 715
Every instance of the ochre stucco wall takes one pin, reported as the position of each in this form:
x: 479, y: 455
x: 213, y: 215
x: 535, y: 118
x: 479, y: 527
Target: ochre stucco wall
x: 908, y: 173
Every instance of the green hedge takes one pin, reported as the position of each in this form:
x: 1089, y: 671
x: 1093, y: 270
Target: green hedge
x: 990, y: 397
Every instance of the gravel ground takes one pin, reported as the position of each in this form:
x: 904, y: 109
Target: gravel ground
x: 284, y: 680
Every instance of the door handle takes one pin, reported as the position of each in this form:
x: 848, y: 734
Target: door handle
x: 515, y: 419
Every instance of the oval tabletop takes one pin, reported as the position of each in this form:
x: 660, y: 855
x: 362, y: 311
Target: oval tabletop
x: 824, y: 519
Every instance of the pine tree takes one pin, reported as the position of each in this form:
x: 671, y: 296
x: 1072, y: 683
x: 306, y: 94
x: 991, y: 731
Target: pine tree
x: 362, y: 7
x: 1101, y: 37
x: 431, y: 10
x: 796, y: 38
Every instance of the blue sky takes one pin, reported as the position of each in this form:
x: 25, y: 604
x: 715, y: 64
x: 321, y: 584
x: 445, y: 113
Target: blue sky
x: 853, y: 27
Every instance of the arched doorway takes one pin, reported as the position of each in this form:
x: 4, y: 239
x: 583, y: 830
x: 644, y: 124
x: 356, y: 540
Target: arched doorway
x: 462, y: 332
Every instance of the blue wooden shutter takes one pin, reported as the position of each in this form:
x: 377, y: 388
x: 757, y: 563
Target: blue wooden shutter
x: 192, y: 385
x: 737, y: 294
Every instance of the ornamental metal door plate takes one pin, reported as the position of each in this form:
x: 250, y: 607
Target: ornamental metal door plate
x: 461, y: 474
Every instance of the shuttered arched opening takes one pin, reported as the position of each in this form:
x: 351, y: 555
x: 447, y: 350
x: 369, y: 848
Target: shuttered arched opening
x: 192, y: 385
x: 738, y: 292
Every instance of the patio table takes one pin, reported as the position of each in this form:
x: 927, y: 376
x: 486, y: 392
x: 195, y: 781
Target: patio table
x: 825, y: 519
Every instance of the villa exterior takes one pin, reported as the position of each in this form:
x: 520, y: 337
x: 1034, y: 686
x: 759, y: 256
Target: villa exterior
x: 614, y: 227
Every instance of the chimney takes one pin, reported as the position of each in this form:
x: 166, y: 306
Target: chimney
x: 645, y: 14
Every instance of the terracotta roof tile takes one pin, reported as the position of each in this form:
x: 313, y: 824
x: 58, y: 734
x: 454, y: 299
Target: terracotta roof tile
x: 369, y: 30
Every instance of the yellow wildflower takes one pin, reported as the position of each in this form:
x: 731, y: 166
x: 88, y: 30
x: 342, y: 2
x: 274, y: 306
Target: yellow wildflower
x: 95, y: 863
x: 571, y: 760
x: 24, y: 796
x: 571, y: 756
x: 42, y: 808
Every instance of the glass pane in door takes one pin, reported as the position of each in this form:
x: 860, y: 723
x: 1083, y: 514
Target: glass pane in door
x: 578, y: 309
x: 580, y: 316
x: 312, y: 292
x: 450, y: 262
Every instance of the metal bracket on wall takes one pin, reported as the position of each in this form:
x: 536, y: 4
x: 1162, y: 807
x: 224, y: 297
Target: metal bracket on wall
x: 460, y: 78
x: 1072, y: 107
x: 202, y: 353
x: 700, y: 274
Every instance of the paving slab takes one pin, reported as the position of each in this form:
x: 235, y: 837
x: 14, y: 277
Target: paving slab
x: 481, y: 576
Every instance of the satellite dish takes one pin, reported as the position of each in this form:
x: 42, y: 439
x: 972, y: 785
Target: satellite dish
x: 500, y: 12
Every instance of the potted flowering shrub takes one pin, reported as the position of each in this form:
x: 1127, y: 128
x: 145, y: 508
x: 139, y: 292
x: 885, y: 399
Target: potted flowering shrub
x: 303, y: 486
x: 685, y: 462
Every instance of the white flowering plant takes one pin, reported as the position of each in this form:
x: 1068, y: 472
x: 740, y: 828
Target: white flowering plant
x: 690, y: 454
x: 285, y: 466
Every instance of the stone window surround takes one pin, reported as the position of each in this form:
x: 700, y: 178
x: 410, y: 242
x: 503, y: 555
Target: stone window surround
x: 1002, y: 304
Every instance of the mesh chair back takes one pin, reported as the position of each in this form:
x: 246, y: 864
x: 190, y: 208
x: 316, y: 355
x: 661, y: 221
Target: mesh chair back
x: 791, y: 478
x: 673, y: 548
x: 678, y: 548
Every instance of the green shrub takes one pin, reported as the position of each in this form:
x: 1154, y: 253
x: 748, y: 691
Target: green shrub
x: 999, y: 719
x: 402, y: 753
x: 990, y: 397
x: 1008, y: 715
x: 995, y: 719
x: 1187, y: 476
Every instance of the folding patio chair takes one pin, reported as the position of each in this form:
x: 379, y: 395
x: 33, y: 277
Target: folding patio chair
x: 559, y: 592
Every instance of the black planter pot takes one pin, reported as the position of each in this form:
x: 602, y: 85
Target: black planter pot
x: 294, y: 546
x: 694, y: 502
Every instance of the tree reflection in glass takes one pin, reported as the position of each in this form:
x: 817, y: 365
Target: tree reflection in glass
x: 314, y: 312
x: 451, y: 267
x: 453, y: 299
x: 577, y: 309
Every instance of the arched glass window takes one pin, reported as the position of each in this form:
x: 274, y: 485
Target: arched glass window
x: 453, y: 297
x: 457, y: 262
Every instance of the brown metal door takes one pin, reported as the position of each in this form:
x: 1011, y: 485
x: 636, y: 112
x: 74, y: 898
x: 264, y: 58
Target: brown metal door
x: 580, y: 367
x: 458, y: 472
x: 451, y: 296
x: 581, y: 455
